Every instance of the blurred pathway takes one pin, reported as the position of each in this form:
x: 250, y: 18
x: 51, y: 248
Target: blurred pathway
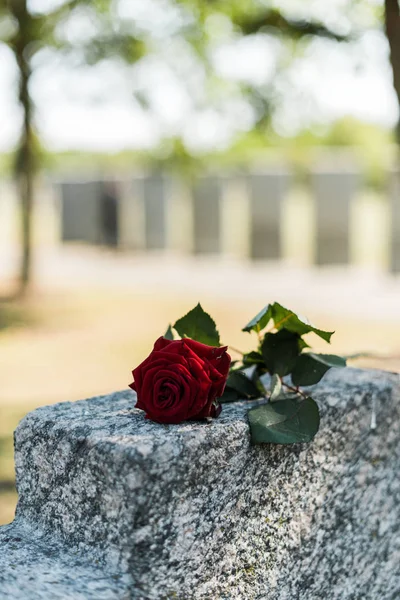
x: 347, y: 292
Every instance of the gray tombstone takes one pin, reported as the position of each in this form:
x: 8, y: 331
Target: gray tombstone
x: 394, y: 194
x: 235, y: 216
x: 131, y: 229
x: 81, y: 211
x: 267, y: 192
x: 109, y: 208
x: 90, y: 212
x: 333, y: 192
x: 207, y: 215
x: 155, y: 211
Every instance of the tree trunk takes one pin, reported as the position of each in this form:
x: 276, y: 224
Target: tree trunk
x: 392, y: 26
x: 25, y: 190
x: 25, y: 156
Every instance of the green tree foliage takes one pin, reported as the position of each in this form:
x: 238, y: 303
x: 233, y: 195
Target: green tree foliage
x: 184, y: 32
x: 354, y: 17
x: 28, y: 33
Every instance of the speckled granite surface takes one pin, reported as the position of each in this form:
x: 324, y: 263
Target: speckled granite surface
x: 35, y: 566
x: 114, y: 506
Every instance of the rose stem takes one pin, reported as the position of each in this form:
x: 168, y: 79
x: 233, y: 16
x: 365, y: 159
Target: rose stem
x: 296, y: 390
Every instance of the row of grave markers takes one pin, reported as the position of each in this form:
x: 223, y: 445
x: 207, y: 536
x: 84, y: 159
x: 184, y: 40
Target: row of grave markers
x: 236, y: 215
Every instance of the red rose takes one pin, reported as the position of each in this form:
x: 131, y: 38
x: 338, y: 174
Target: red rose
x: 181, y: 380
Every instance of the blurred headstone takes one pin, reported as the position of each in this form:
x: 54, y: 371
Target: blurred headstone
x: 109, y: 205
x: 155, y: 211
x: 267, y: 192
x: 235, y: 220
x: 394, y: 192
x: 81, y: 211
x: 207, y: 215
x: 149, y: 213
x: 333, y: 191
x: 90, y: 211
x: 131, y: 217
x: 179, y: 218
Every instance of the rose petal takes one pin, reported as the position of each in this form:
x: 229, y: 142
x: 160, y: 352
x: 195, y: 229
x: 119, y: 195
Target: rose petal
x: 180, y: 380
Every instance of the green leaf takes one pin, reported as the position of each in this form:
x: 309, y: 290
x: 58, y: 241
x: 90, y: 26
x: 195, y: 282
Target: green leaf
x: 308, y: 371
x: 280, y: 351
x: 256, y: 379
x: 275, y: 387
x: 302, y: 344
x: 284, y: 422
x: 260, y: 321
x: 331, y: 360
x: 253, y: 358
x: 229, y: 395
x: 310, y: 367
x: 287, y: 319
x: 246, y: 387
x: 169, y: 334
x: 199, y: 326
x: 284, y: 319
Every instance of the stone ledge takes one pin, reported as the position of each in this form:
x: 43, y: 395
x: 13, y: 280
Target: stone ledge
x: 34, y: 566
x: 195, y: 511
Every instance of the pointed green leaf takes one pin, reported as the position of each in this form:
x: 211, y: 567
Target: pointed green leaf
x: 280, y: 351
x: 284, y: 318
x: 308, y: 371
x: 169, y: 334
x: 199, y: 326
x: 302, y: 345
x: 260, y: 321
x: 284, y: 422
x: 287, y: 319
x: 331, y: 360
x: 310, y: 367
x: 275, y: 387
x: 238, y: 381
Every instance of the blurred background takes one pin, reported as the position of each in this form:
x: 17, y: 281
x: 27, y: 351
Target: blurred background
x: 156, y: 154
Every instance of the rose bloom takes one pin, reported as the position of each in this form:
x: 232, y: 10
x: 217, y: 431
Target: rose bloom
x: 181, y: 380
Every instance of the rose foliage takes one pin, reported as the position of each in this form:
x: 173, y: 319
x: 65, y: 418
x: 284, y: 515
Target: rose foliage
x: 188, y: 374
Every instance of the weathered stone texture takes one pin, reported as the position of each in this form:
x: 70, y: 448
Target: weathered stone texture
x: 146, y: 511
